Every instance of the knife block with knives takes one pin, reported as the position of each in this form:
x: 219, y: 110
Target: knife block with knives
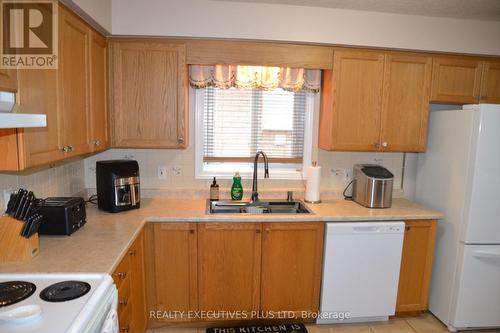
x: 19, y: 228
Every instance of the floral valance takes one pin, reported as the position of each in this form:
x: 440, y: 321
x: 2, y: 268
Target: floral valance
x: 251, y: 77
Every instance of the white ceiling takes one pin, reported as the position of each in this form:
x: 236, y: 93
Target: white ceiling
x: 485, y: 10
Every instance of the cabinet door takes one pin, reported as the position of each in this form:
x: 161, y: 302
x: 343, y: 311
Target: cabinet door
x: 229, y: 257
x: 98, y: 92
x: 73, y: 82
x: 407, y: 81
x: 456, y: 80
x: 38, y: 94
x: 352, y: 98
x: 416, y: 266
x: 8, y: 80
x: 149, y: 95
x: 138, y: 297
x: 171, y: 267
x: 490, y: 85
x: 291, y: 266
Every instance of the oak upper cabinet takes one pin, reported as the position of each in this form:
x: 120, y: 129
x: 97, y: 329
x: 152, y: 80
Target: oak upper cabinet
x: 490, y: 83
x: 98, y: 92
x: 405, y: 102
x: 416, y: 265
x: 351, y: 102
x: 8, y: 80
x: 456, y: 80
x: 375, y: 101
x: 229, y: 260
x: 291, y: 266
x: 171, y: 267
x: 74, y: 38
x: 149, y: 88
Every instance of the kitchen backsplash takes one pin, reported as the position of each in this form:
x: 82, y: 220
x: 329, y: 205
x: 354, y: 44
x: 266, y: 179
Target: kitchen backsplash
x: 180, y: 179
x: 63, y: 180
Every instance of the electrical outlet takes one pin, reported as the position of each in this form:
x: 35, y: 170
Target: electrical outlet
x: 162, y: 172
x: 176, y: 170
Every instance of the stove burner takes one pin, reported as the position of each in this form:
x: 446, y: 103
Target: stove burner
x: 12, y: 292
x: 65, y: 291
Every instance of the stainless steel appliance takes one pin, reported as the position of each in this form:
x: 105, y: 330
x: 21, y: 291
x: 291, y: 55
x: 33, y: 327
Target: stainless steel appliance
x: 372, y: 186
x: 118, y: 185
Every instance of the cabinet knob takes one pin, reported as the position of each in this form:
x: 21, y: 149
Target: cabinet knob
x: 385, y: 144
x: 407, y: 228
x: 191, y: 231
x: 132, y: 253
x: 66, y: 149
x: 123, y: 302
x: 180, y: 139
x: 125, y: 329
x: 121, y: 275
x: 97, y: 142
x: 258, y: 231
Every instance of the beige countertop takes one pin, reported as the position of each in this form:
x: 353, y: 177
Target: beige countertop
x: 103, y: 241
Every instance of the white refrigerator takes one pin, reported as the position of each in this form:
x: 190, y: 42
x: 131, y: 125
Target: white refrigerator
x: 459, y: 175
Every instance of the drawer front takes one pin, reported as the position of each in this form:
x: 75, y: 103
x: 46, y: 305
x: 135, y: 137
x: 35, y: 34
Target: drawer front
x: 122, y: 271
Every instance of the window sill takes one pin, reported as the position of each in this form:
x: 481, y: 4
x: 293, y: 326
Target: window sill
x: 279, y: 175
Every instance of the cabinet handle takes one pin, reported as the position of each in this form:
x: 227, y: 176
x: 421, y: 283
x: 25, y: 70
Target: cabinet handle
x: 66, y: 149
x: 123, y: 302
x: 384, y: 144
x: 125, y: 329
x: 121, y: 275
x: 132, y: 253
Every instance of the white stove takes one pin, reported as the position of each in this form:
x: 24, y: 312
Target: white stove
x: 58, y: 303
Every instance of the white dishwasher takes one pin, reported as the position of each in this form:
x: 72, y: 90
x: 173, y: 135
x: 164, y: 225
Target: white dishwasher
x: 360, y: 271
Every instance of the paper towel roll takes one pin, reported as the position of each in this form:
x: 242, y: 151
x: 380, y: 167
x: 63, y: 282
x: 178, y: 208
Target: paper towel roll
x: 313, y: 177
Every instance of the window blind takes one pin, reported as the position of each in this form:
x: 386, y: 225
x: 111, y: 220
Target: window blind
x: 240, y: 122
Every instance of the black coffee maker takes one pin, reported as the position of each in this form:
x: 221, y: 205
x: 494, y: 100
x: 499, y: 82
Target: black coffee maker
x: 118, y: 185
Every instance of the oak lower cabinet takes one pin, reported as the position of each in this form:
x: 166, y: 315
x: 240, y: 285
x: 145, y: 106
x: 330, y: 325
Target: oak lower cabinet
x: 291, y: 266
x: 130, y: 282
x: 8, y: 80
x: 416, y: 266
x: 171, y: 270
x: 375, y: 101
x: 149, y: 94
x: 229, y: 266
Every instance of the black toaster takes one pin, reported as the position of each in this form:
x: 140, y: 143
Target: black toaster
x: 62, y: 215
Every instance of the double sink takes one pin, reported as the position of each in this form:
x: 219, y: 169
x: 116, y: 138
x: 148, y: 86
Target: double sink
x: 258, y: 207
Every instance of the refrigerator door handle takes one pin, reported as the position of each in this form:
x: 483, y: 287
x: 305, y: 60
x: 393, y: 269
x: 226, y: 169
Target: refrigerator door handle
x: 486, y: 254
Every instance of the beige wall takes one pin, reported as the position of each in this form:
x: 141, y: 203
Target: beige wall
x: 99, y: 10
x: 208, y: 18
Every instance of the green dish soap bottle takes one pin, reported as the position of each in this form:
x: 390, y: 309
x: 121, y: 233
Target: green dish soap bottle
x: 237, y: 188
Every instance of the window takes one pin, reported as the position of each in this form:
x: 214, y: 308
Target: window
x: 233, y: 124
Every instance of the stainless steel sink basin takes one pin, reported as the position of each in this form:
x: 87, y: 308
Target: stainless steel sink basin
x: 260, y: 207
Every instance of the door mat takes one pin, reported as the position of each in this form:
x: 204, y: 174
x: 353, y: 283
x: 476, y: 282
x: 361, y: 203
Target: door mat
x: 277, y: 328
